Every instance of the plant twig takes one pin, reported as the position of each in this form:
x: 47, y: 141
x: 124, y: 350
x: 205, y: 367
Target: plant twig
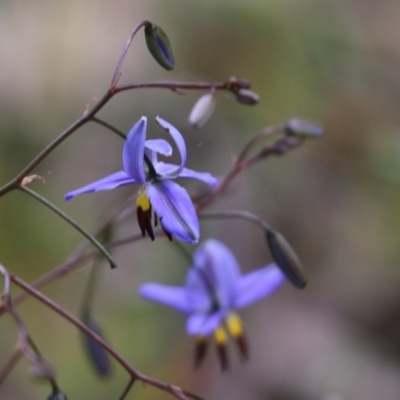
x: 134, y: 373
x: 64, y: 216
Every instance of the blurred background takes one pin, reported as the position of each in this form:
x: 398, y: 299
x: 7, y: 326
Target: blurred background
x: 336, y: 199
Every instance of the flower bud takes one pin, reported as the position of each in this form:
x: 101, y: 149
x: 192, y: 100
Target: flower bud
x: 96, y: 353
x: 303, y: 128
x: 245, y: 96
x: 286, y: 259
x: 202, y: 110
x: 159, y: 46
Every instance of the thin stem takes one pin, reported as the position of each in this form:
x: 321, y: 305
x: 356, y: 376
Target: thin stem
x: 127, y: 389
x: 117, y: 72
x: 222, y: 185
x: 109, y: 126
x: 73, y: 264
x: 175, y: 86
x: 64, y: 216
x: 237, y: 214
x: 265, y: 133
x: 174, y: 390
x: 53, y: 144
x: 280, y: 147
x: 25, y: 344
x: 10, y: 364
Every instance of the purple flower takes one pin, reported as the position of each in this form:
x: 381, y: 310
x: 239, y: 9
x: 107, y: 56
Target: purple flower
x: 171, y: 202
x: 214, y: 289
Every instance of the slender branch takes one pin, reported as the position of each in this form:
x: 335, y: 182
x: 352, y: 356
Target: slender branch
x: 127, y: 389
x: 53, y: 144
x: 237, y: 214
x: 109, y: 126
x: 25, y: 344
x: 265, y: 133
x: 175, y: 86
x: 117, y: 72
x: 134, y: 373
x: 10, y: 364
x: 74, y: 263
x: 64, y: 216
x: 280, y: 147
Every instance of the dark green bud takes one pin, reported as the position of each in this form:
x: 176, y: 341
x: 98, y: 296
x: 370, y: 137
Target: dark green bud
x: 245, y: 96
x: 303, y: 128
x: 58, y: 396
x: 286, y: 258
x: 97, y: 355
x: 159, y: 46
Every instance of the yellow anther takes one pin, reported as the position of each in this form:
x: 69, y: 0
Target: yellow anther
x: 220, y: 336
x: 143, y: 201
x: 235, y: 325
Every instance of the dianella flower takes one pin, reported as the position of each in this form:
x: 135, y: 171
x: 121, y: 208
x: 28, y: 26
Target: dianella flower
x: 170, y: 202
x: 214, y: 289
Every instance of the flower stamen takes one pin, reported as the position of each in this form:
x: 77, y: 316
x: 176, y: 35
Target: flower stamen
x: 235, y: 328
x: 221, y: 339
x: 200, y: 350
x: 143, y: 212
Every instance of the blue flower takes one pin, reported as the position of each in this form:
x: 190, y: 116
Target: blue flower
x: 171, y: 202
x: 214, y: 289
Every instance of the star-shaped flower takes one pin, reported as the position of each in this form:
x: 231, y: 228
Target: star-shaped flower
x: 171, y: 202
x: 214, y: 289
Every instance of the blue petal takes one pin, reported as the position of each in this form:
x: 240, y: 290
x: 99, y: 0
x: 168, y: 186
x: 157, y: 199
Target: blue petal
x: 175, y: 209
x: 180, y: 144
x: 171, y: 296
x: 204, y: 324
x: 154, y: 146
x: 133, y: 152
x: 164, y: 169
x: 257, y: 285
x: 160, y: 146
x: 220, y: 269
x: 197, y: 293
x: 109, y: 182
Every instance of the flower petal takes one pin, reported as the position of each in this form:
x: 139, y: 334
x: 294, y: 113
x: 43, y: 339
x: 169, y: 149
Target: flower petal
x: 154, y: 146
x: 133, y: 152
x: 171, y: 296
x: 180, y: 144
x: 258, y: 284
x: 220, y: 270
x: 204, y: 324
x: 159, y: 146
x: 197, y: 292
x: 175, y: 209
x: 164, y: 169
x: 109, y: 182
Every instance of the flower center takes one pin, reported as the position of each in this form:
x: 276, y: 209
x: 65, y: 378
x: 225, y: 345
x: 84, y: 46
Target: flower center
x: 144, y: 215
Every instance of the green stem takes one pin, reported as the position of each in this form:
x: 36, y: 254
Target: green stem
x: 64, y: 216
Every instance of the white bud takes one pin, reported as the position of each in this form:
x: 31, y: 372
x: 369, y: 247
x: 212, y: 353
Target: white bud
x: 202, y: 110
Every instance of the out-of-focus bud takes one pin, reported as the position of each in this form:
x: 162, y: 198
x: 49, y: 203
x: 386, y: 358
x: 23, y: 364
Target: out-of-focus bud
x: 96, y: 353
x: 58, y: 396
x: 202, y: 110
x: 159, y: 46
x: 245, y: 96
x: 286, y: 258
x: 238, y: 83
x: 303, y: 128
